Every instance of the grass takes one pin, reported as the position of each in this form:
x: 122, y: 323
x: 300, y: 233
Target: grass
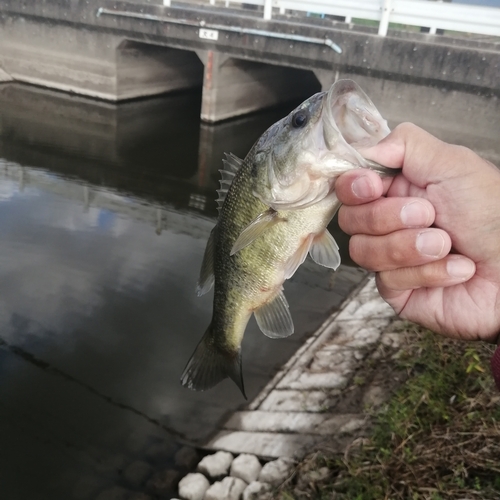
x: 437, y: 438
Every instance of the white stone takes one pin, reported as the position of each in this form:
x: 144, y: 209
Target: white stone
x: 310, y: 381
x: 353, y: 425
x: 215, y: 465
x: 193, y: 486
x: 230, y: 488
x: 246, y: 467
x: 266, y: 444
x: 276, y: 472
x: 257, y: 491
x: 293, y: 401
x: 268, y: 421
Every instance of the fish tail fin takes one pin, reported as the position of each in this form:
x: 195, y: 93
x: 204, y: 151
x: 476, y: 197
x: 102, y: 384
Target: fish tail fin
x: 210, y: 364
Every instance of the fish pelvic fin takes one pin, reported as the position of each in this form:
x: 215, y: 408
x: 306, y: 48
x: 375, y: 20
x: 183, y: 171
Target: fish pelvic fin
x: 210, y: 365
x: 296, y: 260
x: 325, y: 251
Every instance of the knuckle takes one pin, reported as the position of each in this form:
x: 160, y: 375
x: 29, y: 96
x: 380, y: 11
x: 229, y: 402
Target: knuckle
x: 396, y: 255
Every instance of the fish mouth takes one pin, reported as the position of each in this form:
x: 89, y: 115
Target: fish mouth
x: 351, y: 119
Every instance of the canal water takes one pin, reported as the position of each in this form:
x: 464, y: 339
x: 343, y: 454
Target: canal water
x: 104, y: 215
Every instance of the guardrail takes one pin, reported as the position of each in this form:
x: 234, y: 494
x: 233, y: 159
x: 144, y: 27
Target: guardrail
x: 424, y: 13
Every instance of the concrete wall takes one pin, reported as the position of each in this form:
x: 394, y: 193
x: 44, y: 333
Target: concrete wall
x: 59, y: 56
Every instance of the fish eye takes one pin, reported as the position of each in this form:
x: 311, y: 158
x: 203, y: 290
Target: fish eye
x: 299, y: 119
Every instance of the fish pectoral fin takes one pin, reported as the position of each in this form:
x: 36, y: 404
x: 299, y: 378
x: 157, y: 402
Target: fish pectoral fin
x: 325, y: 251
x: 274, y: 318
x: 259, y: 225
x: 209, y: 365
x: 298, y: 257
x: 206, y: 279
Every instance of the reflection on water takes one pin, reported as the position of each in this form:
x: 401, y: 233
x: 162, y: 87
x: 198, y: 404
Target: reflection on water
x: 104, y: 214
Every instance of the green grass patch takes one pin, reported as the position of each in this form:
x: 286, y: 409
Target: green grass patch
x: 437, y: 438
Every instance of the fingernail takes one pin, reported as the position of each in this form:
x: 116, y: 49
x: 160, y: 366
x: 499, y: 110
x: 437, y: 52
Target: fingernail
x: 460, y: 268
x: 430, y: 243
x: 414, y: 214
x: 363, y: 187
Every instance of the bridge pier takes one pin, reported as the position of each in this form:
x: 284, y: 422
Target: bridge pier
x: 234, y: 87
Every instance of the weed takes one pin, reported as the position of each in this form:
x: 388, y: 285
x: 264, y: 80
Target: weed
x: 438, y: 437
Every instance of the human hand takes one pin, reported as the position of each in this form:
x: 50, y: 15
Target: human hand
x: 456, y: 192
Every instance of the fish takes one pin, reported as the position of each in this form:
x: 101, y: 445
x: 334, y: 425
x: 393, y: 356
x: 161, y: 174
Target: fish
x: 274, y: 208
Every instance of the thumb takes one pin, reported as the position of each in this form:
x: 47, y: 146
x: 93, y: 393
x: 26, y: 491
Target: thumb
x: 423, y: 158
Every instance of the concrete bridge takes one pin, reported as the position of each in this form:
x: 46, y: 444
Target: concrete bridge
x: 116, y: 50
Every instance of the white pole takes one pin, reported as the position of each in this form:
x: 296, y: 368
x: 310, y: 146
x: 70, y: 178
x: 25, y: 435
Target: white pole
x: 384, y: 20
x: 268, y: 9
x: 166, y: 3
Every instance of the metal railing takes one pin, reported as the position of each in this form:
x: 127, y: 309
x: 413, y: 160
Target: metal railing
x: 424, y: 13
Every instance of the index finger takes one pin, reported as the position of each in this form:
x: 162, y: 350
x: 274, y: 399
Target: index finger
x: 359, y: 186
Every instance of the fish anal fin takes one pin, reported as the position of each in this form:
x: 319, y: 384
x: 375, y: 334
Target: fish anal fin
x: 259, y: 225
x: 274, y: 318
x: 210, y: 364
x: 298, y: 257
x: 325, y: 251
x: 206, y: 279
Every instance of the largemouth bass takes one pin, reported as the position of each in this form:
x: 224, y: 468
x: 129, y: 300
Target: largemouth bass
x: 274, y: 208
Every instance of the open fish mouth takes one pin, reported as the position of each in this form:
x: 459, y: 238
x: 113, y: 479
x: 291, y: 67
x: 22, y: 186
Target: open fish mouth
x: 349, y: 114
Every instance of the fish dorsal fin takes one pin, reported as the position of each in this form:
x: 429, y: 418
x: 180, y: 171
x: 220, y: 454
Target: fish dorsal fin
x: 261, y: 223
x: 231, y: 163
x: 231, y: 166
x: 298, y: 257
x: 206, y: 279
x: 274, y: 318
x: 325, y: 251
